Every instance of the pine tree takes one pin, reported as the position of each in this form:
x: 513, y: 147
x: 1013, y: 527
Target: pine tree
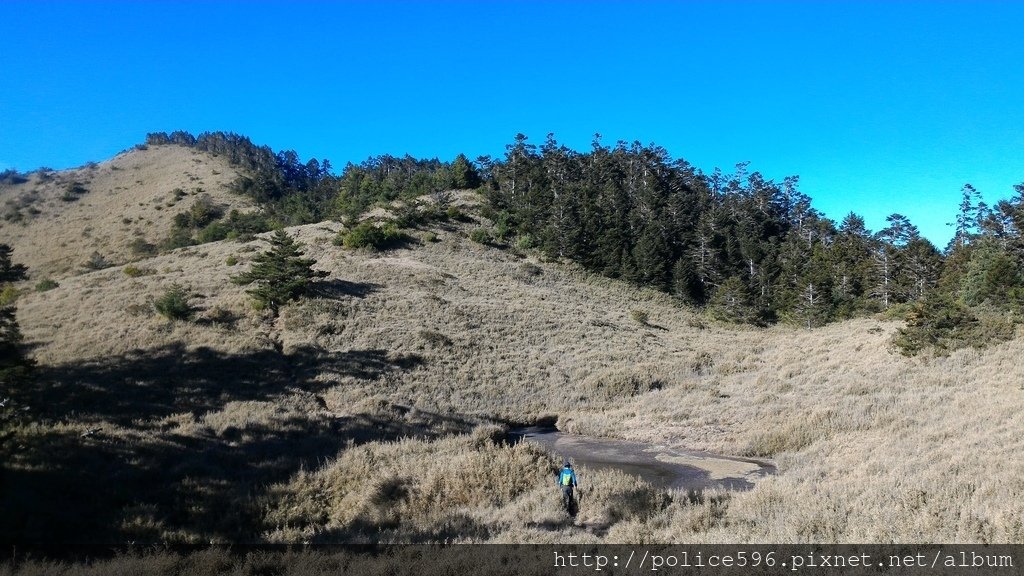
x: 851, y: 258
x: 968, y: 217
x: 809, y: 307
x: 10, y: 334
x: 9, y: 271
x: 731, y: 301
x: 281, y: 274
x: 10, y: 339
x: 921, y: 264
x: 463, y: 174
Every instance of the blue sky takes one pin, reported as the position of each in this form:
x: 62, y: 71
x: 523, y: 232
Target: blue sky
x: 880, y: 107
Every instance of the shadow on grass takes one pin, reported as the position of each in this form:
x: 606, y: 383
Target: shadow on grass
x: 141, y: 480
x: 336, y: 289
x: 174, y: 379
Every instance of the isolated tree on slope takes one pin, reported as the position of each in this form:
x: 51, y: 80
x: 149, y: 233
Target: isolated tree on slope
x: 10, y: 335
x: 280, y: 274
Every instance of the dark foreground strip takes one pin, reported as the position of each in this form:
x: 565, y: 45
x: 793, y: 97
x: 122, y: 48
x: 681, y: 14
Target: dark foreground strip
x: 486, y: 559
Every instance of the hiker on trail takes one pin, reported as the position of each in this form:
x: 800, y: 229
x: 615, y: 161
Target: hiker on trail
x: 567, y: 481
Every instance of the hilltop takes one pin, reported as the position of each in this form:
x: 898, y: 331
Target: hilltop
x: 377, y: 410
x: 119, y: 209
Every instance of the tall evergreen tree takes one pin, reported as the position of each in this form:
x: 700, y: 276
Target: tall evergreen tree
x: 280, y: 274
x: 851, y: 256
x: 731, y: 301
x: 464, y: 174
x: 967, y: 218
x: 9, y: 270
x: 10, y: 333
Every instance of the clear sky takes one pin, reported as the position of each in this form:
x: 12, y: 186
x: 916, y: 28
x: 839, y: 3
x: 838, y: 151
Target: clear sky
x: 880, y: 107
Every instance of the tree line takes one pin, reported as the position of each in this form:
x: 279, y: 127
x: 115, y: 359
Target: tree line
x: 294, y: 192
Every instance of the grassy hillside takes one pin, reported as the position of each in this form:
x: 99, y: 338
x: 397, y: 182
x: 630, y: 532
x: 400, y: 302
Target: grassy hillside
x: 56, y: 221
x: 375, y: 411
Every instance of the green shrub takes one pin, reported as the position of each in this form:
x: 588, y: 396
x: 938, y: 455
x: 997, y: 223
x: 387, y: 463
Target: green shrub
x: 214, y: 232
x: 133, y: 271
x: 231, y: 260
x: 46, y: 284
x: 8, y: 295
x: 410, y: 216
x: 140, y: 247
x: 202, y: 212
x: 369, y: 235
x: 179, y: 238
x: 943, y: 324
x: 244, y: 227
x: 174, y: 303
x: 480, y: 236
x: 454, y: 213
x: 525, y: 242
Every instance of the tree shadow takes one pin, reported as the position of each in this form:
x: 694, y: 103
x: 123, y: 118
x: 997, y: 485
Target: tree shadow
x: 141, y: 477
x: 173, y: 379
x: 108, y: 489
x: 335, y: 289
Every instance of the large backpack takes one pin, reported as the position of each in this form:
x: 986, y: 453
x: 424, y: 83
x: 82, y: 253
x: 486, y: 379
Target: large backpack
x: 566, y: 478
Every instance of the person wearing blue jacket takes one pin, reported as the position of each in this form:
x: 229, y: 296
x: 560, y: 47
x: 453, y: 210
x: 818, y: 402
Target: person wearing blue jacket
x: 567, y: 481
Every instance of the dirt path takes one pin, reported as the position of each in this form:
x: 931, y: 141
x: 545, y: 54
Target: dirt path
x: 659, y: 466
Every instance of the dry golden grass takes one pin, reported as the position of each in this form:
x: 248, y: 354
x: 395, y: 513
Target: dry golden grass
x: 131, y: 196
x: 361, y: 414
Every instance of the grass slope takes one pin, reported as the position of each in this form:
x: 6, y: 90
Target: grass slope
x: 374, y: 411
x: 55, y: 221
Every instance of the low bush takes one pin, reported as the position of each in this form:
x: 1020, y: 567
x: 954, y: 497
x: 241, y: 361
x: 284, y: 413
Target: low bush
x: 97, y: 261
x: 141, y: 248
x: 453, y: 213
x: 46, y: 284
x: 8, y: 295
x: 944, y: 324
x: 481, y: 236
x: 202, y: 212
x: 174, y: 304
x: 640, y: 316
x: 134, y: 271
x: 179, y: 238
x: 525, y: 242
x: 370, y: 235
x: 12, y: 177
x: 74, y: 191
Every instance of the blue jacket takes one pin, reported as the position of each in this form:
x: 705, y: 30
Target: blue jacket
x: 563, y: 481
